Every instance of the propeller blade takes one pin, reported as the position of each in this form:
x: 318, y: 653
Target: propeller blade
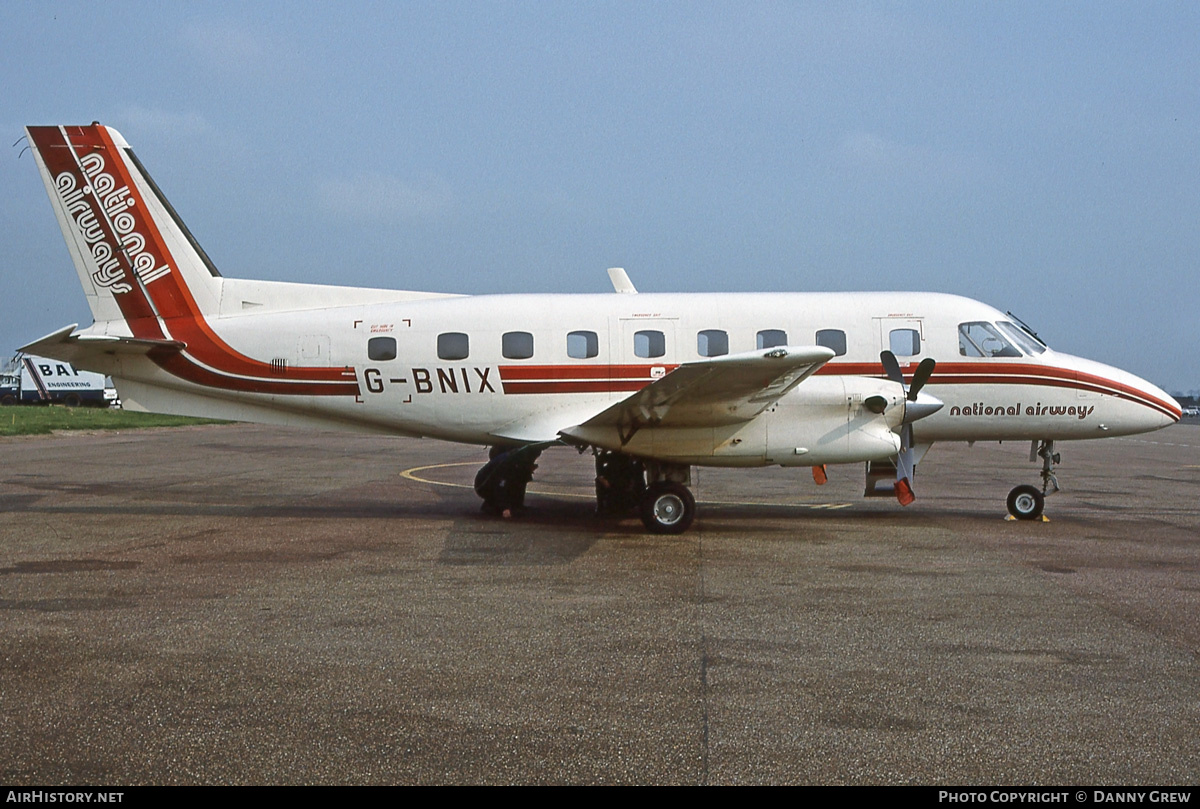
x: 905, y: 467
x: 916, y: 407
x: 904, y: 460
x: 892, y: 366
x: 920, y: 377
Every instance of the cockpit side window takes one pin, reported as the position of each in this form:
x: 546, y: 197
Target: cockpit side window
x: 980, y: 339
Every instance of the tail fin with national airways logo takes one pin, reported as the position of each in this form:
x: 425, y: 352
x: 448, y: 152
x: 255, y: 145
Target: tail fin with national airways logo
x: 135, y: 258
x: 151, y: 288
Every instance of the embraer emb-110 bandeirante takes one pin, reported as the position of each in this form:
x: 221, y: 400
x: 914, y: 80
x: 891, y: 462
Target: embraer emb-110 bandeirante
x: 653, y: 384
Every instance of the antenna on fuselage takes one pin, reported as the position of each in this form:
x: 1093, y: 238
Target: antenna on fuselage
x: 620, y: 281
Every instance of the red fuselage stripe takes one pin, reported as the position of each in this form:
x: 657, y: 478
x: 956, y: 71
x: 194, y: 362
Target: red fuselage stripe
x: 529, y: 379
x: 577, y: 372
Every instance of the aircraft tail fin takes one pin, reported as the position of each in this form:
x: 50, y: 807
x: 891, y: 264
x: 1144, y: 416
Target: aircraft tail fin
x: 134, y: 256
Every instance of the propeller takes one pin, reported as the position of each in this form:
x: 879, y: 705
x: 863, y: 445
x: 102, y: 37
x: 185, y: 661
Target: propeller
x: 917, y: 406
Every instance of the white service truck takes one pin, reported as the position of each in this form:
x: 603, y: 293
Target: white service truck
x: 27, y: 379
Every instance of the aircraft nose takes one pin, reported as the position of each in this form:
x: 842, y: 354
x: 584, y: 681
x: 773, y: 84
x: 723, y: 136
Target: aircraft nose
x: 1143, y: 407
x: 1161, y: 409
x: 1176, y: 409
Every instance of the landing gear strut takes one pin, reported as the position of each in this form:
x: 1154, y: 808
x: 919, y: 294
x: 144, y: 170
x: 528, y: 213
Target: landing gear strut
x: 1027, y: 502
x: 620, y: 483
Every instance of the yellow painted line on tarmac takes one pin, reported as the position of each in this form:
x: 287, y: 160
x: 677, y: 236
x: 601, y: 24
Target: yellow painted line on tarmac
x: 411, y: 474
x: 414, y: 475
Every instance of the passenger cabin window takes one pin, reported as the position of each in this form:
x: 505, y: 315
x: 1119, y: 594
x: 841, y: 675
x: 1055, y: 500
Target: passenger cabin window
x: 517, y: 345
x: 582, y: 345
x: 905, y: 342
x: 979, y: 339
x: 770, y: 338
x: 835, y: 339
x: 712, y: 343
x: 453, y: 345
x: 649, y: 344
x: 381, y: 348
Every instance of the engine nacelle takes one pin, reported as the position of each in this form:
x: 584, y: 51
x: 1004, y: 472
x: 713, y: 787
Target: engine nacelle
x: 827, y: 420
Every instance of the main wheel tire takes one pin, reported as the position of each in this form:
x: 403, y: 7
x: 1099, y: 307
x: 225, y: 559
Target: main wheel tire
x: 72, y: 400
x: 1026, y: 503
x: 668, y: 508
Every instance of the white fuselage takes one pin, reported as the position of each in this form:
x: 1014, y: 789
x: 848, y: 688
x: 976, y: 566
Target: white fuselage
x: 473, y: 393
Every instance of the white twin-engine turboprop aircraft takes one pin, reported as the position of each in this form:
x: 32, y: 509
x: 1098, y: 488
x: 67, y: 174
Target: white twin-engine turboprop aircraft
x: 651, y: 383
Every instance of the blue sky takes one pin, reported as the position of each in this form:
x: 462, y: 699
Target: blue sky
x: 1041, y: 157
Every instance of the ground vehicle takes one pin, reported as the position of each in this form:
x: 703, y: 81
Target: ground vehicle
x: 10, y: 383
x: 29, y: 379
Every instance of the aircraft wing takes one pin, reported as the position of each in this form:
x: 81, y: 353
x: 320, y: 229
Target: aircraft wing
x: 711, y: 392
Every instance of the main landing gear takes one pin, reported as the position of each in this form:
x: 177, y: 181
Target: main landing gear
x: 620, y: 483
x: 668, y: 506
x: 657, y: 491
x: 1027, y: 502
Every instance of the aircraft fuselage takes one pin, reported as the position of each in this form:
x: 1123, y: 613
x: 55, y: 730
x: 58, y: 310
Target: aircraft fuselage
x: 474, y: 393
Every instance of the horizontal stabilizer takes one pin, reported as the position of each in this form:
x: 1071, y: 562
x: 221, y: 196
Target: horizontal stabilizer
x: 94, y: 352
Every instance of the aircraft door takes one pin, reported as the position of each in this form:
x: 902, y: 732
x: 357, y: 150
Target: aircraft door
x: 903, y: 336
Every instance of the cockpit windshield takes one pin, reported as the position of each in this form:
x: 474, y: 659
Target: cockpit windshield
x: 1030, y: 344
x: 1002, y: 339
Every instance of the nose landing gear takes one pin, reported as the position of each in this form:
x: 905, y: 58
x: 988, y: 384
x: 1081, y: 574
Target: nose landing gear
x: 1027, y: 502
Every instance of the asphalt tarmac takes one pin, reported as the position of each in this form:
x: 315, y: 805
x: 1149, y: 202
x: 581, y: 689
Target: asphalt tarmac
x: 240, y: 604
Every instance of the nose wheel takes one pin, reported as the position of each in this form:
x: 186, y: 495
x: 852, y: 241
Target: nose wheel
x: 1028, y: 502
